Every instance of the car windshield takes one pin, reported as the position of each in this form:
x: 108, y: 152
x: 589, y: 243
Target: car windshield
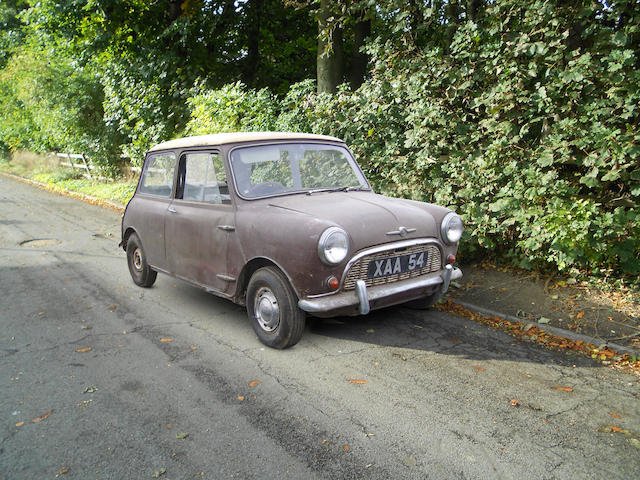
x: 283, y: 168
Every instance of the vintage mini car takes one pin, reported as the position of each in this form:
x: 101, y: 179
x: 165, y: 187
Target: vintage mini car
x: 286, y: 224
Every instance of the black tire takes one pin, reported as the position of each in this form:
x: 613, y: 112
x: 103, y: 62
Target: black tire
x: 272, y: 306
x: 424, y: 303
x: 141, y: 273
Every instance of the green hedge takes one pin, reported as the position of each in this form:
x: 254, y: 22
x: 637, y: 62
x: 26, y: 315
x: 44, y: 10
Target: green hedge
x: 525, y: 121
x: 535, y: 145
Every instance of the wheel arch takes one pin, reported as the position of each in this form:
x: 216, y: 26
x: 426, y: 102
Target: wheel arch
x: 126, y: 235
x: 249, y: 269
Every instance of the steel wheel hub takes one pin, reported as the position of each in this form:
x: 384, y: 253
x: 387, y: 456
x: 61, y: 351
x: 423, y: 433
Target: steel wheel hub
x: 137, y: 259
x: 267, y: 310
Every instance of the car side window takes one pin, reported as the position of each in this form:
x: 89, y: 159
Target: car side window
x: 202, y: 178
x: 157, y: 176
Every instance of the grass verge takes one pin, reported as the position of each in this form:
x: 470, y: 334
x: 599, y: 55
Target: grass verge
x: 65, y: 180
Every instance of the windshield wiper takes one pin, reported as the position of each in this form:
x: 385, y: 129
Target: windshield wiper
x: 337, y: 189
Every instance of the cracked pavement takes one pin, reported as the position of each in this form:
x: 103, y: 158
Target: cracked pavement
x: 437, y: 402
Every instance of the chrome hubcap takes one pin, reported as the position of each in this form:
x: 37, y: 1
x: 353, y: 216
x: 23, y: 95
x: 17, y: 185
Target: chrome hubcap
x: 137, y: 259
x: 267, y: 310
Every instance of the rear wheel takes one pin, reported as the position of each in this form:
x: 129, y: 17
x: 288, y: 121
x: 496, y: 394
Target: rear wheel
x: 272, y: 307
x: 141, y: 273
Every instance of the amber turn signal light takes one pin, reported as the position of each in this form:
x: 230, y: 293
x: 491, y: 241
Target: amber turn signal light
x: 332, y: 282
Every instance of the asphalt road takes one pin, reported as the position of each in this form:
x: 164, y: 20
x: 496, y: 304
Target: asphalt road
x: 437, y: 402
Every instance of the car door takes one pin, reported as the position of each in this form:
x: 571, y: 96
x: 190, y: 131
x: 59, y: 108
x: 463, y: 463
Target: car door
x: 199, y: 221
x: 149, y: 205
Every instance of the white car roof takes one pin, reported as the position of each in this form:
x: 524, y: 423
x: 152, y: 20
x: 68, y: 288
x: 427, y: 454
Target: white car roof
x: 222, y: 138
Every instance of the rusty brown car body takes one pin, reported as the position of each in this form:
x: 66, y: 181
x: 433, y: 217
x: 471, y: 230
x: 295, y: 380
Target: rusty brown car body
x: 287, y: 225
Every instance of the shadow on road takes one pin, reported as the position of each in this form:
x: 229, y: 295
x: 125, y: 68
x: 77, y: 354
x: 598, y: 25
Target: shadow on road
x: 438, y: 332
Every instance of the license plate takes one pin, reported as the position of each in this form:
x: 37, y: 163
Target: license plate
x: 398, y: 264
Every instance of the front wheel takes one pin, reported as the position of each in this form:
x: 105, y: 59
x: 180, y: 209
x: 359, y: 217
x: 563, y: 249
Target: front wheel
x: 141, y: 273
x: 272, y: 307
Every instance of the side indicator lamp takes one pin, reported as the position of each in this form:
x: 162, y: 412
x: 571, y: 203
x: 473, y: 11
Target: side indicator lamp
x: 333, y: 283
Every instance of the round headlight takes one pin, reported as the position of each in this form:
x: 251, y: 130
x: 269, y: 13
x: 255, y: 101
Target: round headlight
x: 333, y: 246
x: 451, y: 228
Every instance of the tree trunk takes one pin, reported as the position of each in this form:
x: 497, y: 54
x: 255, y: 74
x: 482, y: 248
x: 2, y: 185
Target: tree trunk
x: 359, y: 60
x: 473, y: 8
x: 330, y: 56
x: 252, y: 59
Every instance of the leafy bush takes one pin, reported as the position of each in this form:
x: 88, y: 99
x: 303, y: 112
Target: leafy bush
x: 527, y: 126
x: 231, y: 108
x: 48, y: 103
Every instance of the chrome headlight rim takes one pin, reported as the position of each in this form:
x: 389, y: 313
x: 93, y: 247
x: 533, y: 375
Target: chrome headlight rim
x: 445, y: 229
x: 322, y: 245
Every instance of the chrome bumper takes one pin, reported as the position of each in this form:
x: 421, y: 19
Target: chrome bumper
x: 363, y: 296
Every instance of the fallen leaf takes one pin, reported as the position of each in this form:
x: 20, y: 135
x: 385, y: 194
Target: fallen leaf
x: 169, y: 426
x: 409, y: 461
x: 614, y: 415
x: 543, y: 320
x: 345, y: 448
x: 84, y: 403
x: 544, y: 420
x: 91, y: 389
x: 355, y: 380
x: 166, y: 340
x: 40, y: 313
x: 86, y: 327
x: 62, y: 472
x: 240, y: 397
x: 254, y: 383
x: 19, y: 424
x: 478, y: 368
x: 182, y: 435
x: 41, y: 417
x: 564, y: 389
x: 515, y: 402
x: 635, y: 442
x: 579, y: 315
x: 157, y: 473
x: 193, y: 347
x: 84, y: 349
x: 613, y: 428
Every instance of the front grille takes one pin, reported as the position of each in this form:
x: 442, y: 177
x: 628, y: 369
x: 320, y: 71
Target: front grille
x: 358, y: 270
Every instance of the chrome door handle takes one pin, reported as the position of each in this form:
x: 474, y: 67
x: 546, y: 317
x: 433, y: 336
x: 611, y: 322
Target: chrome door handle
x: 172, y: 210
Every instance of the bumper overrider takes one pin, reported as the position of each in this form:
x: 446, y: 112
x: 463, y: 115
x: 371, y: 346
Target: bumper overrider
x: 364, y: 299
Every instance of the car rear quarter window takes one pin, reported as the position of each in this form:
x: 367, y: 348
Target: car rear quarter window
x: 157, y: 176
